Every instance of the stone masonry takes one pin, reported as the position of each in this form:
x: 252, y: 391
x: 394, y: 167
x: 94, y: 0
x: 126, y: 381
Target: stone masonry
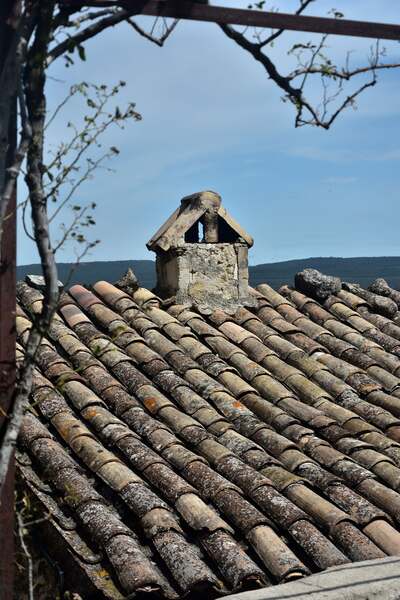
x: 211, y: 272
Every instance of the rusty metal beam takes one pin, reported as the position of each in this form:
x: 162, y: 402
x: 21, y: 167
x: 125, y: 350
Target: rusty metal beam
x: 7, y: 384
x: 182, y: 9
x: 7, y: 320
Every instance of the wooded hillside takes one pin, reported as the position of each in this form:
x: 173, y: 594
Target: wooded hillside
x: 359, y: 270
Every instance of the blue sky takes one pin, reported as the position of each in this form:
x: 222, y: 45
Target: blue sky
x: 212, y: 120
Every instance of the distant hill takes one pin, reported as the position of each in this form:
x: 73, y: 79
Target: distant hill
x: 359, y: 270
x: 90, y: 272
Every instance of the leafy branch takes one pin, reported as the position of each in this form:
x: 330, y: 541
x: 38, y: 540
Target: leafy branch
x: 69, y: 167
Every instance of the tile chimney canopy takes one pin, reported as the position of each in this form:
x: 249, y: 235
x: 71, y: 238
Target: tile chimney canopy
x: 208, y: 268
x: 201, y: 207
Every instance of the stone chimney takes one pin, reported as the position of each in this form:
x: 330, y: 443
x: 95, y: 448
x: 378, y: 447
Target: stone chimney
x: 202, y: 255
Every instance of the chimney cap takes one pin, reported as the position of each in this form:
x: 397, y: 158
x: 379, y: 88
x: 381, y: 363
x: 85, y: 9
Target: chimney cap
x: 207, y: 200
x: 191, y: 209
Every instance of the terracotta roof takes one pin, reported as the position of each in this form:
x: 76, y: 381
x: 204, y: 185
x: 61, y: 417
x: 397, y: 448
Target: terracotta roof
x: 187, y: 453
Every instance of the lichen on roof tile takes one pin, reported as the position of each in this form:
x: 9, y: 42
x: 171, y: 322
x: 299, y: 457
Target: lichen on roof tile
x: 211, y: 451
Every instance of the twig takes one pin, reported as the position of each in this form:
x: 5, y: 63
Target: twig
x: 254, y: 49
x: 28, y: 555
x: 306, y: 112
x: 155, y: 40
x: 350, y: 100
x: 344, y: 74
x: 82, y: 36
x: 276, y: 34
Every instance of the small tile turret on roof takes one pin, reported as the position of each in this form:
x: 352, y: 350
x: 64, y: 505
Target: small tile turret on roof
x: 209, y: 269
x: 192, y: 209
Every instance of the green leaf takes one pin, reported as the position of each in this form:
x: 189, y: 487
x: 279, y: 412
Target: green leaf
x: 81, y: 52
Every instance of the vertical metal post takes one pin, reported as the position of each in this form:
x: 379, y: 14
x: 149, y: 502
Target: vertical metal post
x: 7, y: 384
x: 7, y: 326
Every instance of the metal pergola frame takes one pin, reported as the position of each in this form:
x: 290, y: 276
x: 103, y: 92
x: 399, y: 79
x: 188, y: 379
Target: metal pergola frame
x: 178, y: 9
x: 194, y: 11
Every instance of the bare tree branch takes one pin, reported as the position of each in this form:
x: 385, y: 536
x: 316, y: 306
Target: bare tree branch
x: 350, y: 100
x: 62, y: 18
x: 276, y: 34
x: 255, y: 51
x: 117, y: 16
x: 156, y: 40
x: 294, y: 94
x: 21, y: 535
x: 313, y: 62
x: 344, y: 74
